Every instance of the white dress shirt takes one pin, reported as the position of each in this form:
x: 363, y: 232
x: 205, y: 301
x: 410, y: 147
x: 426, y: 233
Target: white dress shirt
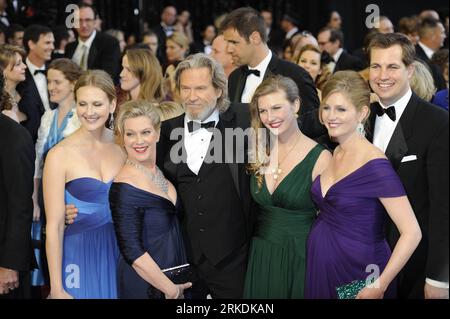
x: 41, y: 83
x: 291, y: 33
x: 428, y: 52
x: 197, y: 142
x: 336, y: 56
x: 253, y: 81
x: 78, y: 54
x: 384, y: 126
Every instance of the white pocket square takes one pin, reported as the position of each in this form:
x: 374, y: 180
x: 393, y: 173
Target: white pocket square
x: 409, y: 158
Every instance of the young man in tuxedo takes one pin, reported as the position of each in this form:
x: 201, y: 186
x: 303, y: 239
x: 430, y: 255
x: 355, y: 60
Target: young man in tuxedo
x: 245, y: 32
x: 218, y: 209
x: 16, y: 209
x: 38, y: 41
x: 414, y: 135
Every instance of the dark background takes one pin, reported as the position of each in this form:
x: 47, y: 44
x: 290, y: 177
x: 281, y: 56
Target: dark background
x: 312, y: 13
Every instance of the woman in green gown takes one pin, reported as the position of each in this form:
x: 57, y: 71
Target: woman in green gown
x: 284, y: 162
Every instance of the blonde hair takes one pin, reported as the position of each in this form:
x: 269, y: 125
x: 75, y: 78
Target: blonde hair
x: 270, y: 85
x: 180, y: 39
x: 422, y: 82
x: 133, y: 109
x: 169, y: 109
x: 352, y: 86
x: 146, y: 68
x: 99, y: 79
x: 8, y: 55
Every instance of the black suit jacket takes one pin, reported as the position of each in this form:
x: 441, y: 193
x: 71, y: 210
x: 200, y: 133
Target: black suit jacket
x: 104, y: 54
x: 161, y: 34
x: 31, y: 104
x: 423, y: 132
x: 436, y: 72
x: 233, y: 118
x: 17, y: 157
x: 305, y: 84
x: 348, y: 62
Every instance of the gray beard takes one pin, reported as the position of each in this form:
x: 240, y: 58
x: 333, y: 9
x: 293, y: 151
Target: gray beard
x: 203, y: 115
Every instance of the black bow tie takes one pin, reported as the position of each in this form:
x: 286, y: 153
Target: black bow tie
x: 390, y: 111
x: 194, y: 126
x: 40, y: 71
x: 248, y: 71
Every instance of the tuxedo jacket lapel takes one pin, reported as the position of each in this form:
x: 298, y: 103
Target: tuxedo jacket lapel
x: 272, y: 66
x: 226, y: 122
x: 371, y: 124
x: 398, y: 147
x: 92, y: 53
x: 240, y: 85
x: 170, y: 167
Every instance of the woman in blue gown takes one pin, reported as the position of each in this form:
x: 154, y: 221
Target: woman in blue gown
x: 347, y: 241
x: 145, y: 209
x: 82, y: 258
x: 56, y: 125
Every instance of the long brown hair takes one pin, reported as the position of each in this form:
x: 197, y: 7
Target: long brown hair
x: 146, y: 68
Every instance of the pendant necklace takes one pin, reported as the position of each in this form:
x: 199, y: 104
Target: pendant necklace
x: 278, y: 171
x: 157, y: 178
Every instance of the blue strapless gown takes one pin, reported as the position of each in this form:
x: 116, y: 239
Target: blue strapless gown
x: 90, y: 246
x: 145, y: 222
x: 348, y: 235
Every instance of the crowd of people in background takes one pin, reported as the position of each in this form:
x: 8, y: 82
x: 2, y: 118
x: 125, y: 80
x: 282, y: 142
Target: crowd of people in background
x: 352, y: 172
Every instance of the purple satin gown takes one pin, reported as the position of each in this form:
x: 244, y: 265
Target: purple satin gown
x: 348, y: 234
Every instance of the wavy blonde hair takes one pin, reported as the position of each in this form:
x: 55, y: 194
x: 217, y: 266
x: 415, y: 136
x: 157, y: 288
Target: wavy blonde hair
x: 133, y: 109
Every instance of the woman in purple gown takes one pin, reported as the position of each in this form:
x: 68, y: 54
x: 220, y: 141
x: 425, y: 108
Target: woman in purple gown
x: 347, y: 241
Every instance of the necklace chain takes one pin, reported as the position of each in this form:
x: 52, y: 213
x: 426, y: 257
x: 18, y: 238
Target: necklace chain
x: 157, y: 178
x: 278, y: 171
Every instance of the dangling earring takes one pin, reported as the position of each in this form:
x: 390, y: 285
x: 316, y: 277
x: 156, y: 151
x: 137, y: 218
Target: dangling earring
x: 296, y: 115
x: 111, y: 121
x: 360, y: 129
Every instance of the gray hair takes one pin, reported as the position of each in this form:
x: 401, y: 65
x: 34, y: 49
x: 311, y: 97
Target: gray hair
x: 219, y: 79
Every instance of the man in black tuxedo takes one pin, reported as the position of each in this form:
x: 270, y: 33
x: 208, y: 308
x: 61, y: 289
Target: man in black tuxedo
x: 245, y: 33
x: 38, y: 41
x: 332, y: 41
x: 218, y: 209
x: 94, y: 50
x: 16, y: 209
x: 414, y: 135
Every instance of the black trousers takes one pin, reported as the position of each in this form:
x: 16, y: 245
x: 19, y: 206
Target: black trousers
x: 224, y: 280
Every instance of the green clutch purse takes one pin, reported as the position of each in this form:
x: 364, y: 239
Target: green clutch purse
x: 349, y: 291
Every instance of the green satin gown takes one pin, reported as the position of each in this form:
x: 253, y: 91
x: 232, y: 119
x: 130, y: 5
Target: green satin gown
x: 276, y: 267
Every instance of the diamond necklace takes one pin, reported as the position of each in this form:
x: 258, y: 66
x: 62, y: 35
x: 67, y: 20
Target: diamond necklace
x: 278, y: 171
x: 157, y: 178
